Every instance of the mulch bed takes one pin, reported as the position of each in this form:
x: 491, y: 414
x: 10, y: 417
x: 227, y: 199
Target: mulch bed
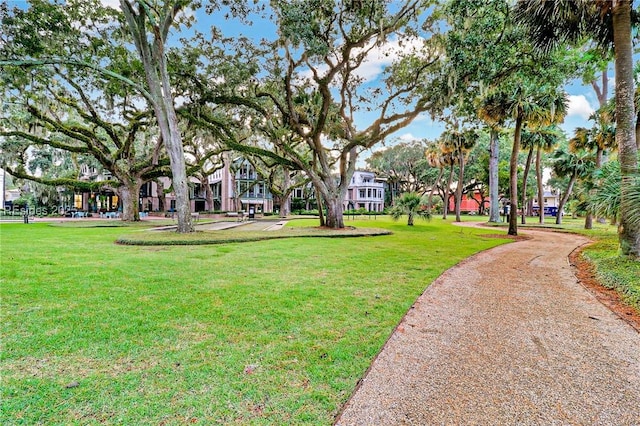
x: 585, y: 272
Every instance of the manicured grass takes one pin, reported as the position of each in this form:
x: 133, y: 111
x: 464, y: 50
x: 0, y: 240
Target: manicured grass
x: 267, y: 332
x: 615, y: 272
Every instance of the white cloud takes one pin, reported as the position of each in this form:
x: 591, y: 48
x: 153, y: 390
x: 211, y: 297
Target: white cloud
x: 378, y: 57
x: 383, y: 55
x: 111, y: 3
x: 422, y: 117
x: 579, y: 106
x: 408, y: 137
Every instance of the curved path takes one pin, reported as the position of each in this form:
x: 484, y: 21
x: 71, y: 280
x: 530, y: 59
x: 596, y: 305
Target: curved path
x: 509, y: 336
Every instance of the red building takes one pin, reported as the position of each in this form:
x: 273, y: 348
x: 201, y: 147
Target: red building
x: 470, y: 203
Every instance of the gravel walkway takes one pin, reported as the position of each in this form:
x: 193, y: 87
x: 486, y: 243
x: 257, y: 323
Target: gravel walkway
x: 506, y: 337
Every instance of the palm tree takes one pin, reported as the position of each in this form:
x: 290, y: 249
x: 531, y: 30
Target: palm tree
x: 546, y: 143
x: 575, y: 165
x: 459, y: 144
x: 537, y: 139
x: 606, y: 198
x: 608, y: 23
x: 447, y: 158
x: 529, y: 144
x: 600, y: 138
x: 410, y: 204
x: 492, y: 111
x: 535, y: 105
x: 435, y: 159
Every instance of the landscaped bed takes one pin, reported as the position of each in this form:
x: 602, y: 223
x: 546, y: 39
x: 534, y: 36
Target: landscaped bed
x: 170, y: 237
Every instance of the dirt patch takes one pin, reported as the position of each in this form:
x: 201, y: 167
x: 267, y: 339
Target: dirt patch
x: 585, y: 272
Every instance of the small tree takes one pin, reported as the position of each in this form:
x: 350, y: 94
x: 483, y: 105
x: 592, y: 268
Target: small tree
x: 606, y: 199
x: 575, y: 165
x: 410, y: 204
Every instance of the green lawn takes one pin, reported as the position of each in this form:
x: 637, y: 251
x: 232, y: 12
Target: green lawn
x: 266, y: 332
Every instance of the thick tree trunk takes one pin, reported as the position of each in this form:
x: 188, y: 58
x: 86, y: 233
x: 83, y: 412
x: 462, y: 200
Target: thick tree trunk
x: 513, y: 178
x: 565, y: 197
x: 162, y: 199
x: 173, y: 145
x: 525, y: 176
x: 285, y: 200
x: 154, y: 62
x: 540, y: 185
x: 628, y: 233
x: 285, y: 205
x: 208, y: 193
x: 129, y: 197
x: 588, y: 221
x: 494, y: 201
x: 410, y: 219
x: 335, y: 218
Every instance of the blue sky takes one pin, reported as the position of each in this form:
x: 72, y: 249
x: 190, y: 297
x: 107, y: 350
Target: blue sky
x: 582, y: 98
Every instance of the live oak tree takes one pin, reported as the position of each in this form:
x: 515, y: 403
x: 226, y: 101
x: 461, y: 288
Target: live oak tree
x: 319, y: 87
x: 149, y: 23
x: 57, y: 104
x: 85, y: 37
x: 280, y: 179
x: 66, y: 119
x: 405, y: 167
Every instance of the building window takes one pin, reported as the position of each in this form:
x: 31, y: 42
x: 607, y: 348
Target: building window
x: 362, y: 193
x: 77, y: 201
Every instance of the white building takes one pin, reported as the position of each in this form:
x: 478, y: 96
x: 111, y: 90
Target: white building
x: 551, y: 201
x: 365, y: 192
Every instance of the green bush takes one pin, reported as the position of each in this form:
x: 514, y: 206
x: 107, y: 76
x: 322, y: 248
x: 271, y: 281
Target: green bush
x: 313, y: 212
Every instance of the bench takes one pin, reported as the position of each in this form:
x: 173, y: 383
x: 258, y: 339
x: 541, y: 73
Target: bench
x: 239, y: 215
x: 110, y: 215
x: 195, y: 217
